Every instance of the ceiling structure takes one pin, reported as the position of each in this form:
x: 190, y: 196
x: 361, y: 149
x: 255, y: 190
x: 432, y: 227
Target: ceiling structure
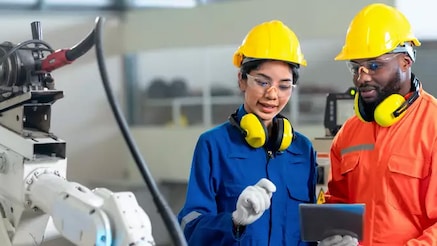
x: 99, y: 5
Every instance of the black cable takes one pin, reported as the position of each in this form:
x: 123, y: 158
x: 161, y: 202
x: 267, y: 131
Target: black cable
x: 163, y: 208
x: 81, y: 48
x: 21, y: 45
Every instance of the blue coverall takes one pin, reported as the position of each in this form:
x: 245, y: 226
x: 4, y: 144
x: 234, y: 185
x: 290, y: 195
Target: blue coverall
x: 223, y: 165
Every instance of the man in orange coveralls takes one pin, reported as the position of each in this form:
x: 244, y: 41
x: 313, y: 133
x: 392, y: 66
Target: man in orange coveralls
x: 386, y: 155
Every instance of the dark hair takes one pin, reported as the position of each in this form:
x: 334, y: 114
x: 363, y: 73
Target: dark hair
x: 255, y: 64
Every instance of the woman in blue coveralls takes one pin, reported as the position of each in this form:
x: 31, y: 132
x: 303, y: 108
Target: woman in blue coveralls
x: 250, y: 174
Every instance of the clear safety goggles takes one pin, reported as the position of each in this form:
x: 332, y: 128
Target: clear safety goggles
x: 262, y: 85
x: 369, y: 67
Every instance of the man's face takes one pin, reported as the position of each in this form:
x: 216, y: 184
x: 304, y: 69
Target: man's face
x: 376, y: 78
x: 392, y: 86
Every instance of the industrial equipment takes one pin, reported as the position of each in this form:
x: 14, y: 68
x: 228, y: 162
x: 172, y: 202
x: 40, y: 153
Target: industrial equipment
x: 34, y: 191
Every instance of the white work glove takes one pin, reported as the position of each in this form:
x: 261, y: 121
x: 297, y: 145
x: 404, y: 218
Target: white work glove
x: 253, y: 201
x: 339, y: 240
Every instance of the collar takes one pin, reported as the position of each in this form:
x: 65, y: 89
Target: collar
x: 241, y: 112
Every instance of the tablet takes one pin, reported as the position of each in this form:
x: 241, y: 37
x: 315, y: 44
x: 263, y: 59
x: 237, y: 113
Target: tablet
x: 319, y: 221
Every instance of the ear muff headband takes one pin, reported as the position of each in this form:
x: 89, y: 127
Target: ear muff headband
x: 276, y: 133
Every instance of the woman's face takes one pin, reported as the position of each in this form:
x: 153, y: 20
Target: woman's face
x: 267, y: 89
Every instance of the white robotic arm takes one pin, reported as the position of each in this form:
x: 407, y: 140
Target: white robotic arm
x: 33, y: 164
x: 90, y: 217
x: 33, y: 188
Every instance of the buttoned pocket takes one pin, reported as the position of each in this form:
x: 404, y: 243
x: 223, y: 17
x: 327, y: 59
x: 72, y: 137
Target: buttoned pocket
x: 405, y: 178
x: 299, y: 173
x: 349, y: 163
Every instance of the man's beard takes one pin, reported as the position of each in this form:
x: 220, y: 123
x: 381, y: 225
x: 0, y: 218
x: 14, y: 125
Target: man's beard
x: 392, y: 87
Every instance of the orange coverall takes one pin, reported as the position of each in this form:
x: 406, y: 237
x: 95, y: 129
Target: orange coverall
x: 393, y: 170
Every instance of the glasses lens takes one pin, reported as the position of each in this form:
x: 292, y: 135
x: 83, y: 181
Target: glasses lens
x: 367, y: 66
x: 353, y: 67
x: 262, y: 85
x: 373, y: 65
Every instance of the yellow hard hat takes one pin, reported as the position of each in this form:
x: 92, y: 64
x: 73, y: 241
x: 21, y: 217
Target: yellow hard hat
x: 377, y: 29
x: 270, y: 40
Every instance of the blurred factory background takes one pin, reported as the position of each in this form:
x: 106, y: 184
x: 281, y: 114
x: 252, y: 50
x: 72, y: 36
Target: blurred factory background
x: 170, y: 65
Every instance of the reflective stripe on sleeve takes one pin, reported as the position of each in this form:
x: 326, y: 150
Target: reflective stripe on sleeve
x: 357, y: 148
x: 188, y: 218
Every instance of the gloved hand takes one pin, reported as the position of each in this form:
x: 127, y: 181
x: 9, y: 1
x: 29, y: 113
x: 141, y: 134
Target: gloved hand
x: 253, y: 201
x: 339, y: 240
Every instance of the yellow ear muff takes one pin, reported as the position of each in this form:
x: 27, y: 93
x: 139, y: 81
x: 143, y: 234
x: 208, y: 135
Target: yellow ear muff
x: 384, y: 111
x: 256, y: 133
x: 287, y: 135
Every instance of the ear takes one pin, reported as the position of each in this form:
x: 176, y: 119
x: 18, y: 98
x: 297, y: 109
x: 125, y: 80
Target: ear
x: 406, y: 63
x: 242, y: 83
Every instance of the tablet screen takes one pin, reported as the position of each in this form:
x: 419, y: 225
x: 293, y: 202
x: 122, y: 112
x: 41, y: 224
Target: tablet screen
x: 319, y: 221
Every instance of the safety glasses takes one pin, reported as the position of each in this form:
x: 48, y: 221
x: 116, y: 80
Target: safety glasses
x: 262, y: 85
x: 370, y: 66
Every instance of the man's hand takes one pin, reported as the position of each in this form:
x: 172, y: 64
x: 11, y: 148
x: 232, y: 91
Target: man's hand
x: 339, y: 240
x: 253, y: 201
